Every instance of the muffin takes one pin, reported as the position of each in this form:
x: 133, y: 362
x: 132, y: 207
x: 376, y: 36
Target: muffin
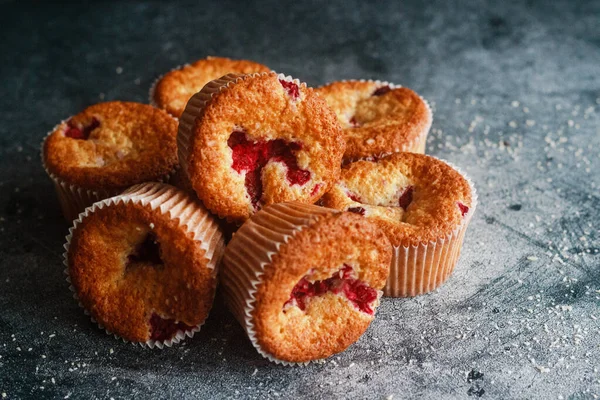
x: 246, y: 141
x: 105, y: 149
x: 172, y: 91
x: 423, y: 205
x: 144, y: 264
x: 378, y: 118
x: 304, y: 281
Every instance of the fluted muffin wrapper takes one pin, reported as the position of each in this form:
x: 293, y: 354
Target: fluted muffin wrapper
x: 252, y: 250
x: 192, y: 219
x: 422, y: 268
x: 194, y: 109
x: 417, y: 145
x: 74, y: 199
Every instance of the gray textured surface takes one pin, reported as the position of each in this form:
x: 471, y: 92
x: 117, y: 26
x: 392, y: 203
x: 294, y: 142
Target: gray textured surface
x: 516, y: 89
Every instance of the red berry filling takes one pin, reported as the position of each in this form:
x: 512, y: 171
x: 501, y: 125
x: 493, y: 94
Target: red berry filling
x: 164, y: 329
x: 382, y: 90
x: 291, y: 88
x: 147, y: 251
x: 83, y: 132
x: 463, y: 209
x: 374, y: 158
x: 341, y: 282
x: 316, y: 189
x: 252, y: 156
x: 354, y: 197
x: 406, y: 197
x: 357, y: 210
x: 354, y: 122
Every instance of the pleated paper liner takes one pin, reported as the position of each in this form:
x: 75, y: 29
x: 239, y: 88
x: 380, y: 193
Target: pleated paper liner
x: 252, y: 249
x: 191, y: 217
x: 420, y: 269
x: 74, y: 199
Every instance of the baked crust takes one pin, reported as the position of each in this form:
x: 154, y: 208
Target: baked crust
x: 377, y: 125
x: 263, y: 109
x: 134, y: 143
x: 175, y: 88
x: 437, y: 190
x: 330, y: 323
x: 123, y: 298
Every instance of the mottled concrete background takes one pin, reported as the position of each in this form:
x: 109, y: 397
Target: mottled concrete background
x: 516, y: 93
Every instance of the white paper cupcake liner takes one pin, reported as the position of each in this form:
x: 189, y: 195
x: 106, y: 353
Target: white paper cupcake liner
x: 423, y: 268
x: 249, y: 254
x: 417, y: 145
x: 192, y: 218
x: 74, y: 199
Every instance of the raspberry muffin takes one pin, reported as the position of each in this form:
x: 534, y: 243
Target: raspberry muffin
x: 304, y: 281
x: 172, y: 91
x: 378, y: 118
x: 144, y: 264
x: 421, y: 203
x: 105, y: 149
x: 246, y: 141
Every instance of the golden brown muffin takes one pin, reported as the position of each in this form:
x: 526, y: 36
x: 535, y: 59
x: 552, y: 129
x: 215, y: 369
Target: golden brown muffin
x: 144, y: 263
x: 421, y: 203
x: 378, y: 118
x: 180, y: 180
x: 172, y: 91
x: 304, y: 280
x: 250, y: 140
x: 107, y: 148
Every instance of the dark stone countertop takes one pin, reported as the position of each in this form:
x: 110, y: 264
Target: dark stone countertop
x: 515, y: 88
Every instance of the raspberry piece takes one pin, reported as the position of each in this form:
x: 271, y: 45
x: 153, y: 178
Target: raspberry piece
x: 361, y: 295
x: 316, y: 189
x: 286, y: 153
x: 353, y: 197
x: 164, y: 329
x: 357, y: 210
x: 354, y: 122
x: 253, y: 183
x: 148, y: 251
x: 406, y: 197
x: 373, y: 158
x: 382, y: 90
x: 82, y: 133
x: 291, y: 88
x: 341, y: 282
x: 252, y: 156
x: 463, y: 209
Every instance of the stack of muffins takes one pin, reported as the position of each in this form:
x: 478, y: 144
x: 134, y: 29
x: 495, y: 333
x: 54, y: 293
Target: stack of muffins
x: 325, y: 192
